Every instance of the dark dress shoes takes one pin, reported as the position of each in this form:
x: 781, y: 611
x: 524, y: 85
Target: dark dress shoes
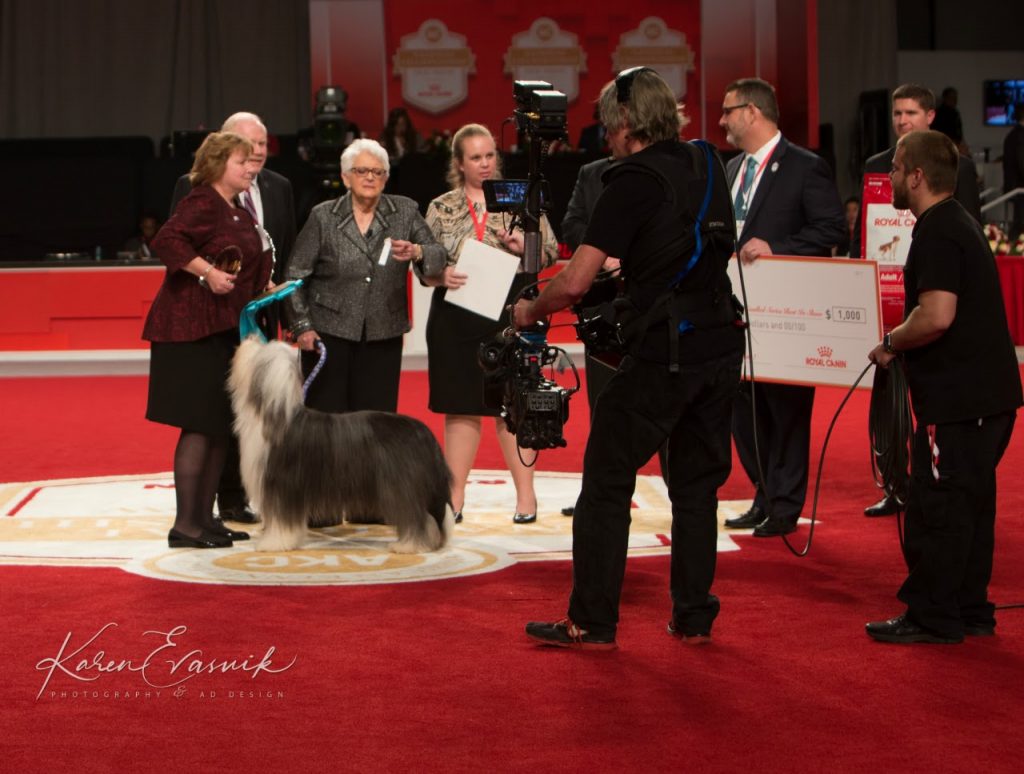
x: 884, y: 507
x: 206, y: 539
x: 569, y: 511
x: 748, y: 520
x: 524, y: 518
x: 218, y: 528
x: 980, y: 630
x: 242, y: 514
x: 902, y: 630
x: 691, y: 638
x: 774, y: 528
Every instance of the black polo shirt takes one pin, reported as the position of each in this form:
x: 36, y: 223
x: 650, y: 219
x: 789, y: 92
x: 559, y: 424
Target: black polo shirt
x: 971, y: 370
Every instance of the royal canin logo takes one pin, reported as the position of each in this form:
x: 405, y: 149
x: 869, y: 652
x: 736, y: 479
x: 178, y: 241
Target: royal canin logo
x: 823, y: 359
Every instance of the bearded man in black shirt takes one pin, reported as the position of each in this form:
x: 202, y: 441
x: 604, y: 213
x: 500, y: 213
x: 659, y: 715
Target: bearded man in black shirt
x: 965, y: 389
x: 681, y: 371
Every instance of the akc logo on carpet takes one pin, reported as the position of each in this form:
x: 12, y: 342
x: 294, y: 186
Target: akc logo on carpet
x: 122, y: 521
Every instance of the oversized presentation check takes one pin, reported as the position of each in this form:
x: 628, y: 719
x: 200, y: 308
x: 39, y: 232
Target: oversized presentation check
x: 812, y: 320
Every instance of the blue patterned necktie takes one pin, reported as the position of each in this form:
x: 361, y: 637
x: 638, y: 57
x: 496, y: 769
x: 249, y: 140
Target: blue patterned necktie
x: 741, y: 202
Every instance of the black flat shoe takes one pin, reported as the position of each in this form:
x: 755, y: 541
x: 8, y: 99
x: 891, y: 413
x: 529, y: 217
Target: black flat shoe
x: 524, y: 518
x: 206, y: 539
x: 218, y: 528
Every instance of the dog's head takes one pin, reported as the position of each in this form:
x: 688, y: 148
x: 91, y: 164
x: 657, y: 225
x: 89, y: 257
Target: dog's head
x: 266, y: 382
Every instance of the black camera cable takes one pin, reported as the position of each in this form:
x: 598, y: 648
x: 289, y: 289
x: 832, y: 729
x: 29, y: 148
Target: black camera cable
x: 757, y: 451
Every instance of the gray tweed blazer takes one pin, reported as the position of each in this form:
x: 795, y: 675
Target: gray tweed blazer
x: 345, y: 288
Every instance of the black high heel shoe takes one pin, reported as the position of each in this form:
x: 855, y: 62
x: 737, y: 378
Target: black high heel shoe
x: 206, y: 539
x: 524, y: 518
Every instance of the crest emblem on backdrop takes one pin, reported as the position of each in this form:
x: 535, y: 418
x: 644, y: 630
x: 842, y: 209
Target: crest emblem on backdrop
x: 545, y: 52
x: 434, y: 65
x: 653, y: 44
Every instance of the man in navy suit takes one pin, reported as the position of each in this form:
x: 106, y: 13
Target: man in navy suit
x: 786, y: 203
x: 272, y: 205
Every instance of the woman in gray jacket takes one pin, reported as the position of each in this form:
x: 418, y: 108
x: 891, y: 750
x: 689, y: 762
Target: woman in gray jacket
x: 354, y: 255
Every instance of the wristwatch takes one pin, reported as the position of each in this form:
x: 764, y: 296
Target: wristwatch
x: 887, y: 344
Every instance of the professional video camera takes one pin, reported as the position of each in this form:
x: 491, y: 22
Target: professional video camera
x: 534, y: 407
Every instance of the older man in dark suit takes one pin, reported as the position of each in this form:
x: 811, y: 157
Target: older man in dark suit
x: 272, y: 205
x: 786, y: 203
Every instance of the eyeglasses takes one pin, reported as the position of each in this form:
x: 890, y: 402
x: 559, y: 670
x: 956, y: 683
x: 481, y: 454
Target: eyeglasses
x: 727, y: 110
x: 376, y: 172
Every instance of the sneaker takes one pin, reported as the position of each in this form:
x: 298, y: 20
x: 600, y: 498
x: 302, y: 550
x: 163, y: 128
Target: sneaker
x: 566, y: 634
x: 697, y: 638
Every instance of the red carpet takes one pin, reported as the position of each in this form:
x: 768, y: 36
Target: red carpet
x: 438, y: 676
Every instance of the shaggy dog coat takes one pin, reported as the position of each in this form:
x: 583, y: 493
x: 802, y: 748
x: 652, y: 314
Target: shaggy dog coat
x: 303, y: 467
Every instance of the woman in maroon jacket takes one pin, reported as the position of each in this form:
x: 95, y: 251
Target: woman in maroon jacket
x: 215, y: 266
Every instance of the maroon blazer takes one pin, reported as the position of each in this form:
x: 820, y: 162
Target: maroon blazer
x: 204, y: 224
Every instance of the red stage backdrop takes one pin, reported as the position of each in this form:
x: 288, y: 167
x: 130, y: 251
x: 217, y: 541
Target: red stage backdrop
x: 454, y: 62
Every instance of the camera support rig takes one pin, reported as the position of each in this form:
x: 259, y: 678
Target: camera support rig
x: 534, y: 408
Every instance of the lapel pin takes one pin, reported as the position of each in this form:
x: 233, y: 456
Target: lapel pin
x: 775, y: 167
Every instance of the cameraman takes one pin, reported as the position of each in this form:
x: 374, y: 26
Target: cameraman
x: 671, y: 386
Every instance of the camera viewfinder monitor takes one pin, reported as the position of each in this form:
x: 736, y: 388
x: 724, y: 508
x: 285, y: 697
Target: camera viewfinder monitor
x: 1000, y: 98
x: 509, y: 195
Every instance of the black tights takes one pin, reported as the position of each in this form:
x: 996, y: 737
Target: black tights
x: 198, y: 461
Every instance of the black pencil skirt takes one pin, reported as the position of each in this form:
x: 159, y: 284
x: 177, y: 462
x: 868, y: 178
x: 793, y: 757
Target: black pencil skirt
x: 188, y: 383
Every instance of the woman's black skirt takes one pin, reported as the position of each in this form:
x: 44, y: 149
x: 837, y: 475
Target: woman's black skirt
x: 188, y: 383
x: 454, y: 336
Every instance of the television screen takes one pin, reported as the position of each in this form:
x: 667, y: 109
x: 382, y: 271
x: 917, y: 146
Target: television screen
x: 1000, y: 98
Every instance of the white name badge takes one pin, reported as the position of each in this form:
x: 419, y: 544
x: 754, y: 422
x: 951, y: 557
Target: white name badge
x: 385, y: 251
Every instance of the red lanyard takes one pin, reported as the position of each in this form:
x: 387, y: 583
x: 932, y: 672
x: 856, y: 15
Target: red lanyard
x: 479, y: 225
x: 757, y: 173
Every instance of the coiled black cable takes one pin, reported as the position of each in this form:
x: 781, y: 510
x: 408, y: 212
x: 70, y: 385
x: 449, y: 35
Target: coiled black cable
x: 891, y: 434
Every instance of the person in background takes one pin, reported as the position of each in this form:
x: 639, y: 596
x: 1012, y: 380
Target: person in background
x: 948, y: 121
x: 1013, y: 169
x: 139, y: 245
x: 593, y: 137
x: 353, y: 256
x: 454, y: 334
x: 399, y: 136
x: 585, y: 194
x: 216, y: 264
x: 851, y: 209
x: 965, y: 389
x: 269, y: 201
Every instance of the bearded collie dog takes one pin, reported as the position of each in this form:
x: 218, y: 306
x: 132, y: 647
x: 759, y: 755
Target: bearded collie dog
x: 303, y: 467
